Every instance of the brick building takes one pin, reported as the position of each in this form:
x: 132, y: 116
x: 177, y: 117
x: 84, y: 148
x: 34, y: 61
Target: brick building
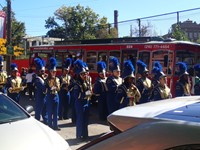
x: 191, y: 29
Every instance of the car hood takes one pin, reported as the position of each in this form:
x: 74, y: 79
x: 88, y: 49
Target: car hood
x: 30, y: 134
x: 129, y: 117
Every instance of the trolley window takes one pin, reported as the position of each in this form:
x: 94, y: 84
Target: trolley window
x: 165, y: 58
x: 145, y: 57
x: 91, y: 59
x: 187, y: 57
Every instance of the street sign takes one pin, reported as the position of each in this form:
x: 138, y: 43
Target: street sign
x: 10, y: 50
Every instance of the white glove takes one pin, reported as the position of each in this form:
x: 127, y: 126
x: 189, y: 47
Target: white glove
x: 53, y: 88
x: 88, y: 92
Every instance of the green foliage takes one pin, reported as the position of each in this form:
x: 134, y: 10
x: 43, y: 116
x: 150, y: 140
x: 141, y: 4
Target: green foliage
x: 178, y: 34
x: 17, y: 34
x: 78, y: 23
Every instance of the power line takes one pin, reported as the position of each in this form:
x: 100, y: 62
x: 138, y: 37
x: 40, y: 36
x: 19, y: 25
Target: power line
x: 165, y: 14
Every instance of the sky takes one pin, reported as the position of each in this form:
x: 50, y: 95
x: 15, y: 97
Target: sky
x: 34, y: 13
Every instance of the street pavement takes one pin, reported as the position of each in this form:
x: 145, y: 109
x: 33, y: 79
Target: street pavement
x: 96, y: 127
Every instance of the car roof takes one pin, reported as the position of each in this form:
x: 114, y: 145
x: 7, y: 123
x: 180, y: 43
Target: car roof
x: 180, y: 108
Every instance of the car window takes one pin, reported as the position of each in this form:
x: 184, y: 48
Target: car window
x: 9, y: 111
x: 185, y: 113
x: 186, y: 147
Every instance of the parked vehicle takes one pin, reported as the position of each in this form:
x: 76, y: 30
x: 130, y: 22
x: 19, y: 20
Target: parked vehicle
x: 20, y: 131
x: 172, y: 124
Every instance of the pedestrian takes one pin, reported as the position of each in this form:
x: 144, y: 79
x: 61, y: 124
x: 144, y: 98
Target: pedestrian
x: 29, y: 82
x: 183, y: 84
x: 127, y: 93
x: 143, y: 83
x: 113, y: 82
x: 64, y: 93
x: 100, y: 90
x: 197, y: 80
x: 82, y: 95
x: 161, y: 90
x: 3, y: 76
x: 53, y: 87
x: 14, y: 84
x: 38, y: 80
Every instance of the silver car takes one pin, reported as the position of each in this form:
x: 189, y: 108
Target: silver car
x: 20, y: 131
x: 172, y: 124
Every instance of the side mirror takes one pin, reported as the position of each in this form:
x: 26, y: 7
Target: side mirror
x: 29, y: 109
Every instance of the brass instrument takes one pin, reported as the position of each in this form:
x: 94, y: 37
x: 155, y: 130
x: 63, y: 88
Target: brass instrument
x: 133, y: 95
x: 87, y: 85
x: 54, y: 85
x: 3, y: 79
x: 65, y: 82
x: 44, y: 76
x: 16, y: 85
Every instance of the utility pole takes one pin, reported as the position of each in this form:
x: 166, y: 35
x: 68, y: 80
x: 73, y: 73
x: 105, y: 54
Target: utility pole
x: 8, y: 34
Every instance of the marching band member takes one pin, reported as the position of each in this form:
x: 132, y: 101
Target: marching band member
x: 161, y: 90
x: 144, y: 84
x: 183, y: 84
x: 64, y: 93
x: 113, y: 82
x: 53, y: 86
x: 82, y: 94
x: 40, y: 90
x: 14, y: 84
x: 100, y: 90
x: 156, y: 66
x: 127, y: 94
x: 197, y: 80
x: 3, y: 76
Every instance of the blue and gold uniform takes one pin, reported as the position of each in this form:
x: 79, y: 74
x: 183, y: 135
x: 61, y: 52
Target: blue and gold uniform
x: 100, y: 90
x: 113, y: 82
x: 64, y: 93
x: 161, y: 90
x: 53, y: 87
x: 144, y: 84
x: 182, y: 85
x: 197, y: 80
x: 82, y: 94
x: 127, y: 94
x: 3, y: 76
x: 40, y: 90
x: 14, y: 84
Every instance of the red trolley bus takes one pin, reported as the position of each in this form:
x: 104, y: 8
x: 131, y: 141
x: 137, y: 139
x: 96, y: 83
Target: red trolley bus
x: 168, y: 52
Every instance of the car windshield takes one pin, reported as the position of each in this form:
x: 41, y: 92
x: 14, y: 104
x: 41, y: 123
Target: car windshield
x: 9, y: 111
x: 185, y: 113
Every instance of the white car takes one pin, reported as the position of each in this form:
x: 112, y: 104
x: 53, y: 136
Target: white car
x: 172, y: 124
x: 20, y: 131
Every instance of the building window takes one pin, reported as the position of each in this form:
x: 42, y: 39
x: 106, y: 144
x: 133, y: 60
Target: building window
x: 190, y: 35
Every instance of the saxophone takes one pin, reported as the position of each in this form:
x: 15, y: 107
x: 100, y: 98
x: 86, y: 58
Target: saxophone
x: 52, y: 85
x: 65, y: 82
x: 88, y: 87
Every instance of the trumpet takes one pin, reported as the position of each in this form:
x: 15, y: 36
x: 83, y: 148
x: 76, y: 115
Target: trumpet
x: 44, y: 76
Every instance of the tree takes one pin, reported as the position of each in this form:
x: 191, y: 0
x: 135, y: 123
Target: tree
x: 17, y: 34
x: 178, y: 34
x: 77, y: 23
x: 145, y: 30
